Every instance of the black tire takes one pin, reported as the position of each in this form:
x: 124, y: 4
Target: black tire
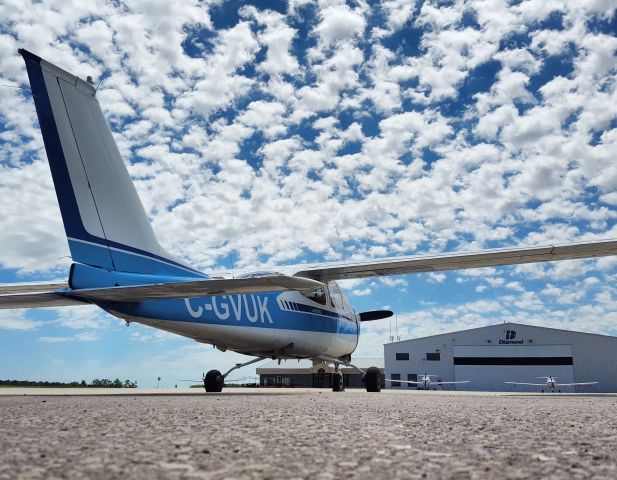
x: 337, y: 382
x: 213, y: 381
x: 372, y: 380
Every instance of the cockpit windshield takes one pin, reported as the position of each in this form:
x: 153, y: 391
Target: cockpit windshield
x: 318, y: 295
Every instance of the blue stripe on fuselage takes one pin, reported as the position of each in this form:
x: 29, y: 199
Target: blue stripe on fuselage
x: 247, y: 310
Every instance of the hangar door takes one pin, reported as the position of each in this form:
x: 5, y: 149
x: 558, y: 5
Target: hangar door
x: 487, y: 367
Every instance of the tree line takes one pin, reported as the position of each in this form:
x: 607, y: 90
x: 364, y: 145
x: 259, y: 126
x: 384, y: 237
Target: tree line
x: 96, y: 383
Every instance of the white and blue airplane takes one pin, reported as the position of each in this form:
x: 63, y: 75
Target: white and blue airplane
x: 550, y: 384
x: 119, y: 265
x: 426, y: 382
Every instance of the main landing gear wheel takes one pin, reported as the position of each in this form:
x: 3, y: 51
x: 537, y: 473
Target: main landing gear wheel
x: 337, y: 382
x: 372, y: 380
x: 214, y: 381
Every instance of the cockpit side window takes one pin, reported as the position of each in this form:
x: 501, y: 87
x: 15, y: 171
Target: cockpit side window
x: 336, y: 295
x: 318, y: 296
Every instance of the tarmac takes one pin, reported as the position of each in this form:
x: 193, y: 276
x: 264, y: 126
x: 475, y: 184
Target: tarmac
x: 294, y: 433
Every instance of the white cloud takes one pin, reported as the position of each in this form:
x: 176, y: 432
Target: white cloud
x: 278, y: 38
x: 266, y: 117
x: 265, y: 137
x: 83, y: 317
x: 48, y: 339
x: 398, y: 13
x: 339, y: 23
x: 436, y: 277
x: 17, y: 320
x: 393, y: 281
x: 78, y: 337
x: 220, y: 84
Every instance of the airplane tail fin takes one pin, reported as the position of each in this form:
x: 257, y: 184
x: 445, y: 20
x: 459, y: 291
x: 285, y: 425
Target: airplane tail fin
x: 105, y: 222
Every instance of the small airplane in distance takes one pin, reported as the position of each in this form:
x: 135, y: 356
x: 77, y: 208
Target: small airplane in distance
x: 425, y: 381
x: 119, y: 265
x: 551, y: 383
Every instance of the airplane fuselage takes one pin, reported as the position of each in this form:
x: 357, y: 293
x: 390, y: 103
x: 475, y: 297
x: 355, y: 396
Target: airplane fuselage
x: 551, y: 383
x: 282, y: 325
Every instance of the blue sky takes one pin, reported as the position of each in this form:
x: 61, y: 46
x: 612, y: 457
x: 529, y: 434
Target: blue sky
x: 255, y: 131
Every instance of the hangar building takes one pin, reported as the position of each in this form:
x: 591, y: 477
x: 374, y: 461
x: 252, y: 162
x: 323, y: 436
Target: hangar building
x: 305, y: 373
x: 490, y: 356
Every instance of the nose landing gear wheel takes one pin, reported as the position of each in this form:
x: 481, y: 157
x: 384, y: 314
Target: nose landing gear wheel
x: 214, y: 381
x: 372, y: 380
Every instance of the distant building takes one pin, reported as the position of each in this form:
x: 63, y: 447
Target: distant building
x: 490, y: 356
x: 303, y: 373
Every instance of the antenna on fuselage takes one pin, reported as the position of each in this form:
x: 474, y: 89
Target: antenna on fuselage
x: 231, y: 262
x: 340, y: 243
x: 101, y: 78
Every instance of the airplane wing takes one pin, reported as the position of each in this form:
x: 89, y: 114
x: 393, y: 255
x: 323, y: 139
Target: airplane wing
x: 532, y: 384
x: 457, y: 261
x: 26, y: 296
x: 572, y: 384
x: 410, y: 382
x: 452, y: 383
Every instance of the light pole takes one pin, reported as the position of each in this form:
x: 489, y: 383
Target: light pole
x: 158, y: 380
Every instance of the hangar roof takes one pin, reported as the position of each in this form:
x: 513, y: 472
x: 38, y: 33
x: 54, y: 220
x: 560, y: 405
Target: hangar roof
x: 505, y: 326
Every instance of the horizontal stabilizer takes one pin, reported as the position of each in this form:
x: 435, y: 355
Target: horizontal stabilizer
x: 38, y: 300
x: 197, y: 288
x: 11, y: 288
x: 29, y: 295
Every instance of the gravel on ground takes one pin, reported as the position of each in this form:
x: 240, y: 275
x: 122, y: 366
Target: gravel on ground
x: 316, y: 434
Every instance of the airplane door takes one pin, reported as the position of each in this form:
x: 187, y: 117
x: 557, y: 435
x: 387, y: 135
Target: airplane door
x: 336, y: 297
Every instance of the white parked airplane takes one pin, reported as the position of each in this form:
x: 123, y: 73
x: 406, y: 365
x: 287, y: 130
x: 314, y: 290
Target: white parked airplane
x: 119, y: 265
x: 426, y: 382
x: 551, y: 383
